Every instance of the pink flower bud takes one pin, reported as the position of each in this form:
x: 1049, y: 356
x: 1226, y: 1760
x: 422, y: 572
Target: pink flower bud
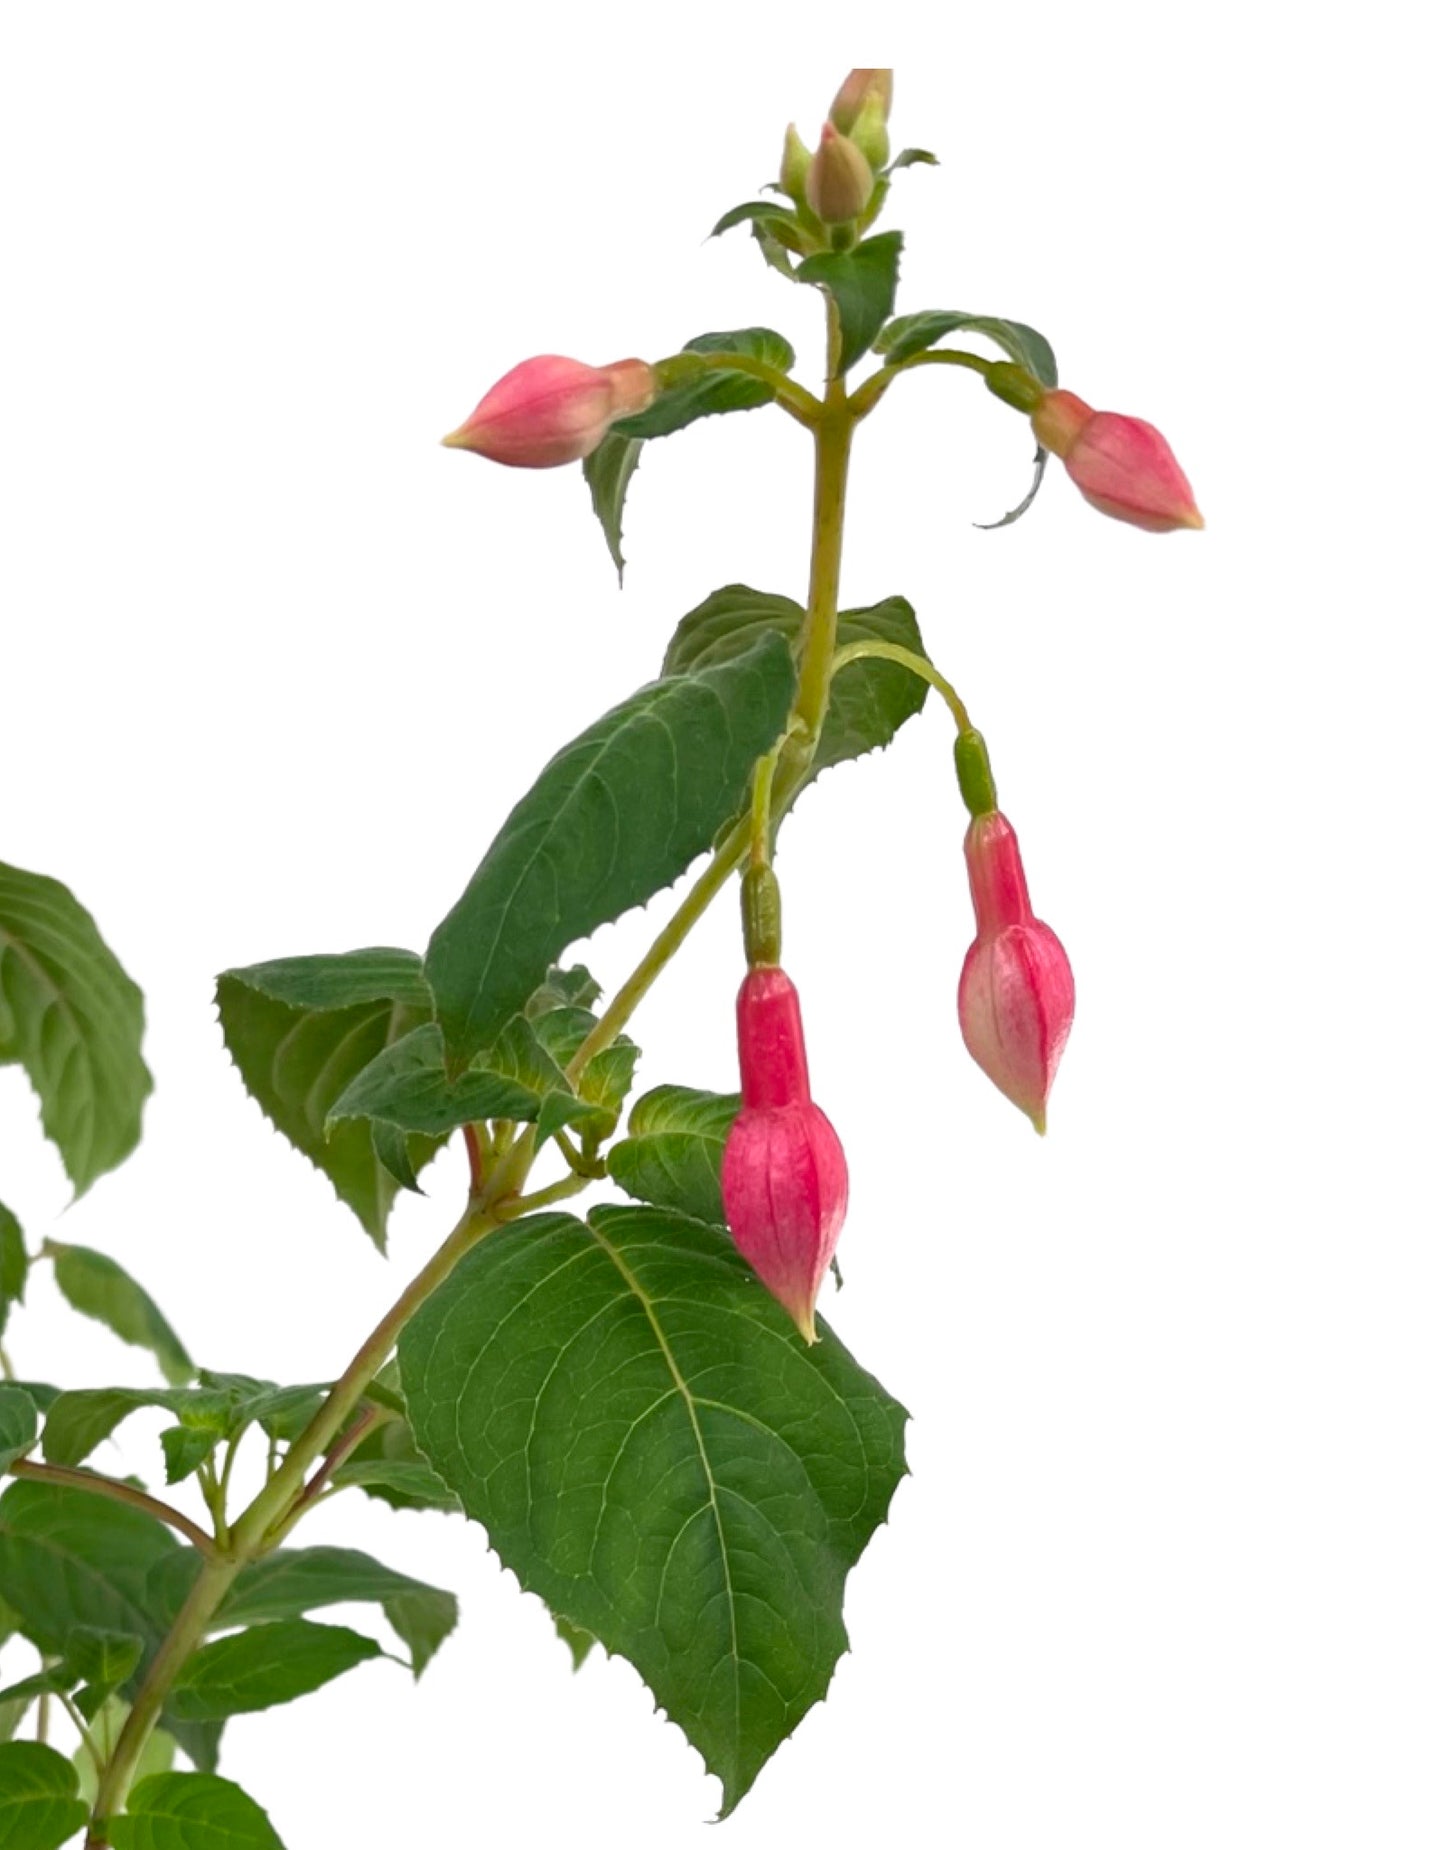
x: 1016, y: 994
x: 1122, y: 465
x: 551, y: 410
x: 784, y: 1177
x: 858, y: 90
x: 840, y: 181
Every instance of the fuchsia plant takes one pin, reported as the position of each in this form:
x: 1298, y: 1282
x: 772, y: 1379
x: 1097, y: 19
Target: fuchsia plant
x: 616, y: 1397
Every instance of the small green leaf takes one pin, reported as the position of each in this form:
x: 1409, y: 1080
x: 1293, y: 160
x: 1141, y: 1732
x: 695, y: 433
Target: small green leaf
x: 1024, y: 345
x: 862, y: 283
x: 672, y: 1153
x: 574, y: 987
x: 578, y: 1642
x: 407, y: 1085
x: 412, y: 1484
x: 14, y: 1264
x: 39, y: 1808
x: 191, y: 1811
x: 266, y: 1665
x: 616, y: 815
x: 293, y: 1581
x: 393, y: 1151
x: 608, y: 473
x: 19, y: 1424
x: 300, y: 1030
x: 716, y: 390
x: 102, y: 1659
x: 608, y: 1078
x: 73, y: 1019
x: 81, y: 1419
x: 56, y: 1679
x: 652, y: 1448
x: 781, y: 221
x: 285, y: 1412
x: 97, y: 1287
x: 869, y: 700
x: 186, y: 1448
x: 912, y: 157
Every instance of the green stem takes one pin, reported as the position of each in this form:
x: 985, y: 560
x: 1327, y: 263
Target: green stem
x: 74, y: 1478
x: 916, y: 664
x: 873, y: 388
x: 7, y: 1373
x: 832, y: 438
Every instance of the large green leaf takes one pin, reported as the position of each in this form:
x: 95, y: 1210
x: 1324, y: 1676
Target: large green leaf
x: 299, y: 1030
x: 706, y: 392
x: 870, y: 699
x: 192, y: 1811
x: 294, y: 1581
x: 39, y: 1808
x: 862, y: 283
x: 616, y: 815
x: 266, y: 1665
x: 97, y: 1287
x: 654, y: 1450
x: 19, y: 1424
x: 672, y: 1153
x: 14, y: 1265
x: 911, y: 334
x: 68, y: 1559
x: 73, y: 1019
x: 79, y: 1420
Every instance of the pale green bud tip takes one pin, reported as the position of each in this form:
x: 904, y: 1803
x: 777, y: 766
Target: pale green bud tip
x: 859, y: 88
x: 840, y: 181
x: 793, y: 175
x: 870, y: 133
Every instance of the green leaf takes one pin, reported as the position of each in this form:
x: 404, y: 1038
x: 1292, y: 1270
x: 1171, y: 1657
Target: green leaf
x: 97, y: 1287
x: 869, y: 700
x: 300, y: 1030
x: 652, y: 1448
x: 293, y: 1581
x: 267, y: 1665
x: 73, y: 1019
x: 79, y: 1420
x: 862, y: 283
x: 608, y: 1078
x: 407, y: 1085
x: 608, y: 472
x: 185, y: 1448
x: 192, y: 1811
x: 14, y: 1264
x: 574, y: 987
x: 672, y: 1154
x: 780, y: 221
x: 578, y: 1642
x: 284, y: 1412
x: 102, y: 1660
x: 616, y: 815
x: 1024, y: 345
x: 716, y: 390
x: 19, y: 1424
x: 39, y: 1808
x: 413, y: 1485
x: 69, y: 1558
x: 912, y: 157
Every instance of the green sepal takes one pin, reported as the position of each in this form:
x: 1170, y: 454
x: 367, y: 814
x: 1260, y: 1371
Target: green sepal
x: 862, y: 283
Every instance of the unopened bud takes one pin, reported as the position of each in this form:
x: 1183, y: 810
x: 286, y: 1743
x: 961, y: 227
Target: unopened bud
x: 1121, y: 465
x: 551, y: 410
x: 860, y: 88
x: 784, y: 1176
x: 1016, y: 994
x: 840, y: 181
x: 869, y: 134
x: 793, y: 175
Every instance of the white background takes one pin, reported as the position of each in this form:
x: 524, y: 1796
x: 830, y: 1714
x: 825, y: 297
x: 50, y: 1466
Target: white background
x: 274, y: 666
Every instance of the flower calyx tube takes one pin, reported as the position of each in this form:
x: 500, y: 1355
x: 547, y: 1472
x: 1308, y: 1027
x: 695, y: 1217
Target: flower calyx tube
x: 551, y: 410
x: 1016, y: 993
x: 784, y: 1175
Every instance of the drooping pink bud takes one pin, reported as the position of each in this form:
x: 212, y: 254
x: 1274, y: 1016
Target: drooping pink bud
x: 859, y: 89
x: 784, y: 1177
x: 840, y: 181
x: 1016, y: 994
x: 1121, y: 465
x: 551, y: 410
